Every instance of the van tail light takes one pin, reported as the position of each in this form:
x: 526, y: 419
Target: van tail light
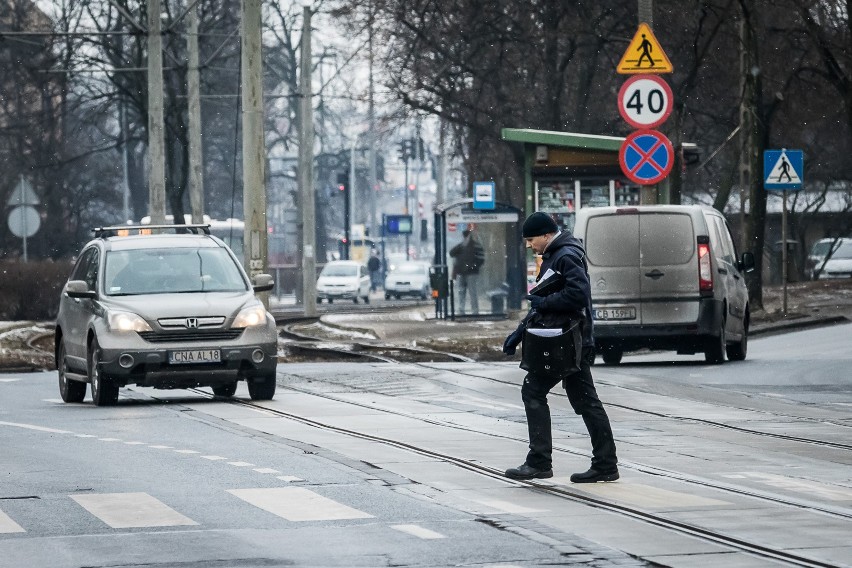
x: 705, y: 270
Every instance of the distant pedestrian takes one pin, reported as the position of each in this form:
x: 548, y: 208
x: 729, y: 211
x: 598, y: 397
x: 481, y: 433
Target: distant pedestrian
x: 469, y: 257
x: 569, y: 301
x: 374, y: 266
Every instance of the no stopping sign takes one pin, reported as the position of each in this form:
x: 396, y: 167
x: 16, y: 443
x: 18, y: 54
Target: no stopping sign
x: 645, y: 101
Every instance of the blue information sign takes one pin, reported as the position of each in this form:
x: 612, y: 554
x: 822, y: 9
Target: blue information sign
x: 646, y: 157
x: 483, y: 195
x: 783, y: 169
x: 398, y: 224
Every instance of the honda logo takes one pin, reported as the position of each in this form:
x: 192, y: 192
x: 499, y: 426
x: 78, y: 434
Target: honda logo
x: 192, y: 323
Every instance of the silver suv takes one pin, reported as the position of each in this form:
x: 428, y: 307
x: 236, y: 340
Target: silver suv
x: 665, y: 277
x: 164, y: 311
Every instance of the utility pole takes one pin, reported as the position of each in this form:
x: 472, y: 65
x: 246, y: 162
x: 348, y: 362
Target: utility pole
x: 196, y: 171
x: 156, y: 141
x: 646, y: 12
x: 306, y: 172
x: 254, y: 160
x: 371, y: 133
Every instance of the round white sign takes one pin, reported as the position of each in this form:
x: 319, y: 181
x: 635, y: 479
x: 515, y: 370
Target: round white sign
x: 645, y: 101
x: 24, y: 221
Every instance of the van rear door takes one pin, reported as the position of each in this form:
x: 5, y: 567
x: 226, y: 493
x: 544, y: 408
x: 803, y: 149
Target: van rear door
x: 668, y: 268
x: 612, y: 249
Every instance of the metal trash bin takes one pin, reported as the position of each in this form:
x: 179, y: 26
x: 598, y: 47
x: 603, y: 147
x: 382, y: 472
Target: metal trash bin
x: 498, y: 296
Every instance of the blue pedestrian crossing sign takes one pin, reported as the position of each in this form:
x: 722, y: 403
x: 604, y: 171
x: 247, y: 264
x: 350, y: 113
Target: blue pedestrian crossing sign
x: 783, y: 169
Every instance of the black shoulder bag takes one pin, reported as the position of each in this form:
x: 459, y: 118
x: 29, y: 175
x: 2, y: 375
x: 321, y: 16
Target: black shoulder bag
x: 556, y: 356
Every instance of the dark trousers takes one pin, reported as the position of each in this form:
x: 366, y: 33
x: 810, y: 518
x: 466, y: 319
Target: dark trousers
x: 584, y: 400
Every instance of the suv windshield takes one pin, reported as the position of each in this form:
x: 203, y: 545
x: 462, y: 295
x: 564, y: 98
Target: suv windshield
x: 409, y: 269
x: 171, y: 271
x: 340, y: 270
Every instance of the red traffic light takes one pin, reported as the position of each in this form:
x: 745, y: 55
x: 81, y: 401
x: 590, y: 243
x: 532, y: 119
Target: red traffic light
x: 341, y: 187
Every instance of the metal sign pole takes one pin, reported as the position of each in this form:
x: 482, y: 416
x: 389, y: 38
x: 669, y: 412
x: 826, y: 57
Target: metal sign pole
x: 784, y: 251
x: 23, y: 210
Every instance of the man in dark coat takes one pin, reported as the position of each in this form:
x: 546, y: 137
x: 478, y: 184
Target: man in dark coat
x: 469, y: 256
x: 563, y: 253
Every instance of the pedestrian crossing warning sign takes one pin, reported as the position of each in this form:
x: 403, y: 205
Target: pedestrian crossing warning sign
x: 644, y: 54
x: 782, y: 169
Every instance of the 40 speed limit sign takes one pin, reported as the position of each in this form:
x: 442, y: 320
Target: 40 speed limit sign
x: 645, y: 101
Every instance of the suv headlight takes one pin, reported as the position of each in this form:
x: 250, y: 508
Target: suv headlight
x: 250, y: 317
x: 127, y: 321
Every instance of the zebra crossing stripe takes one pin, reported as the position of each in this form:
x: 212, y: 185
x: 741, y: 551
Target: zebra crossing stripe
x: 298, y: 504
x: 418, y: 531
x: 7, y: 525
x: 131, y: 510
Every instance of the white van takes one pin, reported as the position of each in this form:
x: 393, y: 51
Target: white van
x: 665, y: 277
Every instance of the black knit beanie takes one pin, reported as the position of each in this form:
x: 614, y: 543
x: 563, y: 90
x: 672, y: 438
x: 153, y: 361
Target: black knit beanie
x: 539, y: 224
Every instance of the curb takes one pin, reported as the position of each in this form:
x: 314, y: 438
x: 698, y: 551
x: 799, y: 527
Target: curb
x: 797, y: 323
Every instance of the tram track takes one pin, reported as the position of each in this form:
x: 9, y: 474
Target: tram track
x: 369, y: 351
x: 690, y: 529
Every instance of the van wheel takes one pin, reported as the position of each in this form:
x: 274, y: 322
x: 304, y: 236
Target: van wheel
x: 612, y: 355
x: 366, y: 299
x: 738, y: 351
x: 714, y: 351
x: 69, y: 390
x: 355, y: 300
x: 104, y: 391
x: 387, y: 296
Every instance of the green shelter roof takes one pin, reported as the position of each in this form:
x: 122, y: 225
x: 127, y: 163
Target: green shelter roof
x: 564, y: 139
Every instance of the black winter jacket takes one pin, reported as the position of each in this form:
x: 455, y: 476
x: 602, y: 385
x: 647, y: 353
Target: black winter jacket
x: 566, y: 254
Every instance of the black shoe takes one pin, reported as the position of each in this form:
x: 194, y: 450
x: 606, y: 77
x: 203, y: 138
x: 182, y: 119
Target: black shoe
x: 525, y: 471
x: 593, y: 476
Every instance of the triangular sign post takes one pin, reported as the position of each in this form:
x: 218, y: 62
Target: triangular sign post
x: 644, y: 54
x: 23, y: 194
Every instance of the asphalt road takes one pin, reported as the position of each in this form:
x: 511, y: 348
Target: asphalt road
x: 398, y: 465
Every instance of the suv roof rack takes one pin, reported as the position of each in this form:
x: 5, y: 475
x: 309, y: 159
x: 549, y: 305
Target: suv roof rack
x: 126, y: 230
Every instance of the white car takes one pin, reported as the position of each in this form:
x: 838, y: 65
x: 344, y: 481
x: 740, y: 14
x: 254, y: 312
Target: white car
x: 839, y: 264
x: 408, y: 279
x: 343, y: 280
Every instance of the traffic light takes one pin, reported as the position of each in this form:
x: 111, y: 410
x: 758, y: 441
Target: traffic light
x: 344, y: 188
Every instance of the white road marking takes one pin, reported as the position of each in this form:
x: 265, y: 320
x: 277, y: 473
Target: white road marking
x: 298, y: 504
x: 37, y: 428
x: 129, y: 510
x: 815, y: 488
x: 109, y: 439
x: 213, y: 458
x: 289, y: 478
x: 85, y: 436
x: 7, y: 525
x: 158, y: 447
x: 507, y: 507
x: 135, y: 443
x: 418, y: 531
x: 186, y: 451
x: 241, y: 464
x: 266, y: 470
x: 9, y: 380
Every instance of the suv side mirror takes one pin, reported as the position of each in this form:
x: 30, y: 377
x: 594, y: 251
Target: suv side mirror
x: 79, y: 289
x: 263, y: 283
x: 747, y: 262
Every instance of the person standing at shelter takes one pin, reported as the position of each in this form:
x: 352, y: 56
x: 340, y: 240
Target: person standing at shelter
x: 469, y: 257
x: 570, y: 301
x: 374, y: 266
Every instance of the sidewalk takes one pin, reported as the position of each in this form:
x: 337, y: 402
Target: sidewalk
x: 483, y: 338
